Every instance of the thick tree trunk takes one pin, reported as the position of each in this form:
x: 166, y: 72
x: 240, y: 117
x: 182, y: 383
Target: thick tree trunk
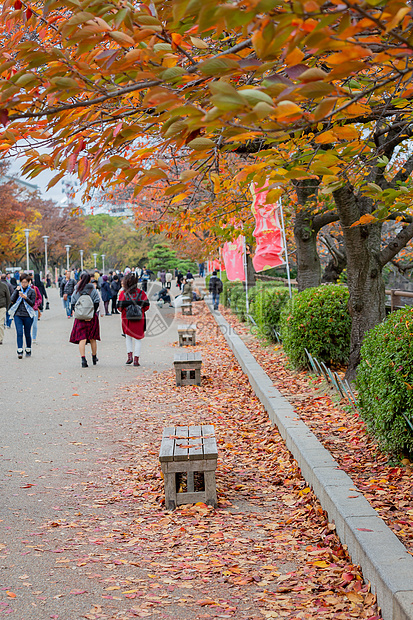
x: 308, y: 261
x: 364, y: 271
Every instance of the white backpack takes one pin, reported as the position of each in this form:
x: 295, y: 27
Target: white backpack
x: 84, y: 308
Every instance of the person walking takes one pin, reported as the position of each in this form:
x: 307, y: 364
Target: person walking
x: 145, y: 279
x: 67, y: 287
x: 216, y: 288
x: 115, y: 286
x: 4, y: 306
x: 106, y: 293
x: 39, y: 304
x: 179, y: 279
x: 85, y: 306
x: 11, y: 288
x: 168, y: 278
x: 131, y: 300
x: 22, y: 302
x: 162, y: 277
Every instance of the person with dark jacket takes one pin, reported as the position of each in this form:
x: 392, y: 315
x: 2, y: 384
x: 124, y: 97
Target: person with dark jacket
x: 179, y: 278
x: 67, y: 287
x: 215, y: 287
x: 106, y: 293
x: 115, y: 286
x: 41, y: 287
x: 4, y: 305
x: 84, y: 332
x: 22, y: 302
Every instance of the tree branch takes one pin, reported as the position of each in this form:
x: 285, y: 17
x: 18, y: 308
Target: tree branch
x: 322, y: 219
x: 396, y: 244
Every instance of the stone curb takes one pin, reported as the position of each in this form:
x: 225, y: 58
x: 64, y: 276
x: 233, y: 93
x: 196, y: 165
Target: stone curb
x: 384, y: 560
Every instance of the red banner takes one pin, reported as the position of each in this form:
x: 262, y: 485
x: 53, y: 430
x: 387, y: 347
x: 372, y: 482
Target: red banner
x: 268, y: 233
x: 233, y: 257
x: 214, y: 265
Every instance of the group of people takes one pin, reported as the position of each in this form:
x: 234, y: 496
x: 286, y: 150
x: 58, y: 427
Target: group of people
x: 22, y: 299
x: 85, y: 296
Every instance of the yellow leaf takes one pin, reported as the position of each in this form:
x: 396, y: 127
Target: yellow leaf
x: 354, y: 597
x: 199, y: 43
x: 321, y: 564
x: 397, y: 18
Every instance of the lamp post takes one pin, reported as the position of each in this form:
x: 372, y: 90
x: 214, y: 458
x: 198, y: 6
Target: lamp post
x: 103, y: 263
x: 45, y: 239
x: 81, y: 260
x: 27, y: 232
x: 67, y: 256
x: 94, y: 256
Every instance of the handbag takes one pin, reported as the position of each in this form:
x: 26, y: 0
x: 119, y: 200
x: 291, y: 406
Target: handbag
x: 47, y: 305
x: 133, y: 311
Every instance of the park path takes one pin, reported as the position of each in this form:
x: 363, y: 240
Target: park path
x: 83, y: 531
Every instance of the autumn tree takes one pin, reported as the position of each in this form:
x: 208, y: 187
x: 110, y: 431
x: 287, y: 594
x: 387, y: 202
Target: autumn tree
x: 311, y: 90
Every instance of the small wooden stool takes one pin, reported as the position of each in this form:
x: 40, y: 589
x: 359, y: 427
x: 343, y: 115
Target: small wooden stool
x: 186, y: 450
x: 186, y: 335
x: 186, y: 308
x: 188, y: 368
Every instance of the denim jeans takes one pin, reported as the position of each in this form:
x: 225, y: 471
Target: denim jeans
x: 68, y: 305
x: 23, y: 323
x: 9, y: 320
x: 215, y: 300
x: 35, y: 321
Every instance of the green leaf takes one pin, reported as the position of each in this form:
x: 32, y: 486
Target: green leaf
x: 201, y: 144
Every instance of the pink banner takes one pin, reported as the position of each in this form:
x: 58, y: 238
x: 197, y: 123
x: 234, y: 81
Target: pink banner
x: 214, y: 265
x: 268, y: 233
x: 233, y: 256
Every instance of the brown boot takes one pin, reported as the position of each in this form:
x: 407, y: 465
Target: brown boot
x: 130, y: 358
x: 136, y: 361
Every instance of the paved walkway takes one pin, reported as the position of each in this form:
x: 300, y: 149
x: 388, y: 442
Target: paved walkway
x: 83, y: 533
x: 46, y: 426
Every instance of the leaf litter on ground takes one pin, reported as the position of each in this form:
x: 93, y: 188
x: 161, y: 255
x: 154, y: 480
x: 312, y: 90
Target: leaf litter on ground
x: 267, y: 551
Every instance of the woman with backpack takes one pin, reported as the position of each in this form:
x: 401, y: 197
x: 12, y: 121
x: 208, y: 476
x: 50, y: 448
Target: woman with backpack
x: 133, y: 303
x: 85, y: 306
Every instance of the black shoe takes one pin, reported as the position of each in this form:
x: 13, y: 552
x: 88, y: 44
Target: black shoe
x: 20, y: 353
x: 95, y: 359
x: 28, y: 352
x: 84, y: 363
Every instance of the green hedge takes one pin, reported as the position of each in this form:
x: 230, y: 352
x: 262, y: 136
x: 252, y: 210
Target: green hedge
x: 318, y: 320
x: 268, y: 303
x: 385, y: 382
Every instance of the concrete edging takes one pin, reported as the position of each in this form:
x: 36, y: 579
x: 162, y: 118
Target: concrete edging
x: 385, y: 561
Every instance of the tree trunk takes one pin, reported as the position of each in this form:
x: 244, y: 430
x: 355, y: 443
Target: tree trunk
x: 364, y: 271
x: 308, y: 261
x: 251, y: 279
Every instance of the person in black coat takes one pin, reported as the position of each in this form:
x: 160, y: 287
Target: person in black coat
x: 41, y: 287
x: 115, y: 286
x: 106, y: 293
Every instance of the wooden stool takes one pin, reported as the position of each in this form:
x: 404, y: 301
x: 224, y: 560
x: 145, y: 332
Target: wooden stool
x: 186, y: 335
x: 186, y: 308
x: 186, y: 450
x: 188, y: 368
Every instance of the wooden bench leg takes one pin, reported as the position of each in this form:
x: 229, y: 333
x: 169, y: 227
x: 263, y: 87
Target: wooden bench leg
x: 210, y: 488
x: 170, y: 491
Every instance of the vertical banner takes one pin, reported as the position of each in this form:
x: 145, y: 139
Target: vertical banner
x: 268, y: 231
x: 233, y: 257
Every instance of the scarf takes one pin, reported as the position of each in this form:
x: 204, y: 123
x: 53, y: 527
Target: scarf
x: 30, y: 311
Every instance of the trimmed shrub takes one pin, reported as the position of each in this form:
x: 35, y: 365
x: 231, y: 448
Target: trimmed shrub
x: 318, y: 320
x: 268, y: 304
x: 385, y: 382
x: 238, y: 303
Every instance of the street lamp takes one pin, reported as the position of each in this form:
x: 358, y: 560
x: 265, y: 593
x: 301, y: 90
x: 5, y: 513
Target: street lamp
x: 45, y: 239
x: 67, y: 256
x: 103, y: 262
x: 94, y: 256
x: 81, y: 260
x: 27, y: 232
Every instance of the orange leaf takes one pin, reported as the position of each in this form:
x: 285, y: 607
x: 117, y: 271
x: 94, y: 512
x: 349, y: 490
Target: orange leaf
x: 365, y: 219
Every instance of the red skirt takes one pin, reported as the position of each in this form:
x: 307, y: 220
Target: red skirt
x: 85, y: 330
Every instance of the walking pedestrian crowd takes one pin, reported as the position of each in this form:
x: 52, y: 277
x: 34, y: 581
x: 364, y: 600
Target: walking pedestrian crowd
x: 87, y: 296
